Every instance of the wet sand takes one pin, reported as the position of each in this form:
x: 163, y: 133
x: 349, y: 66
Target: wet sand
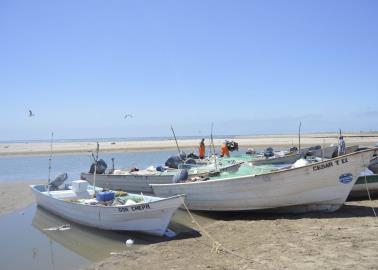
x: 15, y: 195
x: 346, y: 239
x: 325, y: 139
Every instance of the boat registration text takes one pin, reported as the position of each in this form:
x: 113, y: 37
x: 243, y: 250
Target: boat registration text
x: 329, y: 164
x: 134, y: 208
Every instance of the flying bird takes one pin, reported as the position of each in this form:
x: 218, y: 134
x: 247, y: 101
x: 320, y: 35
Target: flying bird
x: 129, y: 115
x: 31, y: 114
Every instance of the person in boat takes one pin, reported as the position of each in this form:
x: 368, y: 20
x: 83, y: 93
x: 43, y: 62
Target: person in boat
x: 224, y: 150
x: 202, y: 149
x: 341, y: 146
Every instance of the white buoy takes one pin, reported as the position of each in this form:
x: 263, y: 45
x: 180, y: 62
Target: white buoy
x: 129, y: 242
x: 169, y: 233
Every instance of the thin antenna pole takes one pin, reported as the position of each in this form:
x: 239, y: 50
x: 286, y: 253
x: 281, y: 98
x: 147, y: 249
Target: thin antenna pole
x: 50, y: 158
x: 95, y: 170
x: 299, y: 137
x: 174, y: 135
x: 212, y: 143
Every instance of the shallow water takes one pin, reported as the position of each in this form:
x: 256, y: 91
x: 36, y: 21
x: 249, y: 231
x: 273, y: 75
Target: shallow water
x: 21, y: 168
x: 26, y: 244
x: 25, y: 247
x: 18, y: 168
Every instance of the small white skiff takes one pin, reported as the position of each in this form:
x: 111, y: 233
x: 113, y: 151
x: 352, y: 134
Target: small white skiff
x: 130, y: 212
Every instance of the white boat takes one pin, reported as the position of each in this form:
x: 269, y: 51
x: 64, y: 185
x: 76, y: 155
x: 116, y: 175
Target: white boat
x: 288, y: 159
x: 323, y: 186
x: 139, y: 181
x: 327, y: 152
x: 152, y: 215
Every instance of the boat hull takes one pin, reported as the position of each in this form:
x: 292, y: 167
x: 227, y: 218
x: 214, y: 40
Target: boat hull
x: 321, y: 186
x: 289, y: 159
x: 141, y: 183
x: 363, y: 184
x: 150, y: 217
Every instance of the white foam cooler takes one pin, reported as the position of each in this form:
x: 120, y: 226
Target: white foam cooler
x: 79, y: 186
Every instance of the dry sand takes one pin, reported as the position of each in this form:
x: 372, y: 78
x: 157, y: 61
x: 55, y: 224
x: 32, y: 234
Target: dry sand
x: 346, y: 239
x: 325, y: 139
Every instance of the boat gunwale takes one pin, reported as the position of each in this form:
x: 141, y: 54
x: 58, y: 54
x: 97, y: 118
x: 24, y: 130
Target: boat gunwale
x: 285, y: 170
x: 160, y: 199
x: 170, y: 170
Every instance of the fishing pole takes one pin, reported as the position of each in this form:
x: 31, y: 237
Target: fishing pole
x: 174, y: 135
x: 299, y: 137
x: 212, y: 143
x: 50, y: 158
x: 95, y: 170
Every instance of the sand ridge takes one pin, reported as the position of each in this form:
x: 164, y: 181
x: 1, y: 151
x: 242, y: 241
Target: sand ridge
x: 261, y: 141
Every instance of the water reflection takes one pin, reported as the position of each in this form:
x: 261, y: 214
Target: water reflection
x: 95, y: 244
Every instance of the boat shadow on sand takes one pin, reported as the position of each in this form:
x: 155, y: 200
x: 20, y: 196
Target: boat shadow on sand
x: 348, y: 210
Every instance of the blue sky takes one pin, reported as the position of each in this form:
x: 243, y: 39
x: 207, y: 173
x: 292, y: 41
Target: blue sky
x: 251, y: 67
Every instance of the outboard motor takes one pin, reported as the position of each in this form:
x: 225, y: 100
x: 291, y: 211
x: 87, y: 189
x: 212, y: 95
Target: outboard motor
x: 160, y: 168
x: 192, y: 155
x: 181, y: 176
x: 190, y: 161
x: 268, y: 152
x: 232, y: 146
x: 100, y: 168
x: 182, y: 155
x: 173, y: 162
x: 59, y: 180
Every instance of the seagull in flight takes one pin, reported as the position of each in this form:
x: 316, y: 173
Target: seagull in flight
x: 31, y: 114
x: 129, y: 115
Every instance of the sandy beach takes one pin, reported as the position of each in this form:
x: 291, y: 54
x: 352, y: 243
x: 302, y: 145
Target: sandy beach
x: 261, y: 141
x: 346, y: 239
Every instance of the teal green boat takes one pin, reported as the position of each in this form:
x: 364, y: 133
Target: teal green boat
x: 359, y: 188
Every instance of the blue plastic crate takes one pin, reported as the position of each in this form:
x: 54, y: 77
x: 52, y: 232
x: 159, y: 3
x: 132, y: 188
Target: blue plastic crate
x: 105, y: 196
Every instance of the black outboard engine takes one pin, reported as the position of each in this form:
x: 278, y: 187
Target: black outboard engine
x: 181, y: 176
x: 310, y: 154
x: 293, y: 149
x: 182, y: 155
x: 173, y: 162
x: 190, y: 161
x: 268, y: 152
x: 192, y: 155
x: 58, y: 181
x: 100, y: 168
x: 232, y: 146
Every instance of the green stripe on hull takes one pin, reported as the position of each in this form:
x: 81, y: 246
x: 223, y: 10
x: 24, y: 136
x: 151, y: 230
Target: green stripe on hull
x: 369, y: 179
